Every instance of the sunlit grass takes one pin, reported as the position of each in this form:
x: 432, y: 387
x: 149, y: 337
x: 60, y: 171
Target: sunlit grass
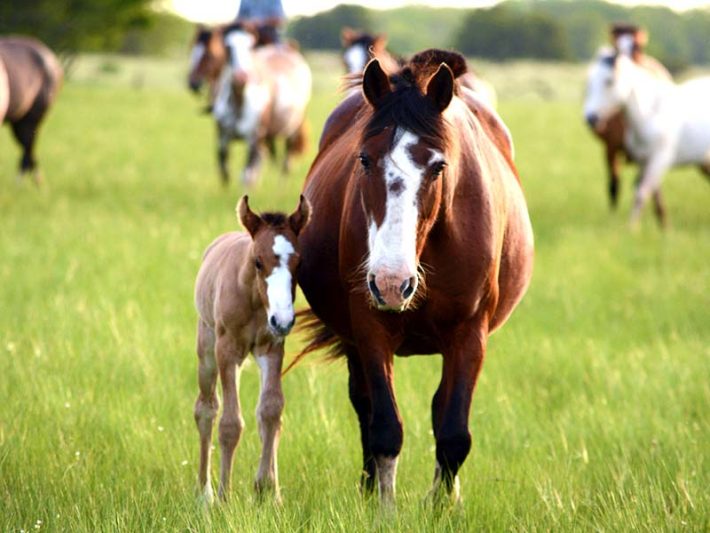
x: 591, y: 412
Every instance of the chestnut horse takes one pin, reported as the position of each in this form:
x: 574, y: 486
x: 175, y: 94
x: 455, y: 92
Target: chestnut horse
x: 30, y: 78
x: 419, y: 243
x: 244, y: 295
x: 612, y: 131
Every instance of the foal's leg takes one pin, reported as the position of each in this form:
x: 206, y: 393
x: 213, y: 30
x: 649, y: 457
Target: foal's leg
x: 451, y: 406
x: 207, y: 404
x: 230, y: 357
x: 268, y: 415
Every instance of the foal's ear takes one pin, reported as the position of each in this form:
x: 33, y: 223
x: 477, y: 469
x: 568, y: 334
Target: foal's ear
x: 375, y: 83
x: 250, y: 220
x: 300, y: 217
x: 440, y: 89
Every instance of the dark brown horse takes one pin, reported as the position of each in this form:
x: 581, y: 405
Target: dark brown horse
x: 419, y: 243
x: 612, y: 131
x: 32, y: 81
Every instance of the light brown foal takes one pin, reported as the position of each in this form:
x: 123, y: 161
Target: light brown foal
x: 244, y: 296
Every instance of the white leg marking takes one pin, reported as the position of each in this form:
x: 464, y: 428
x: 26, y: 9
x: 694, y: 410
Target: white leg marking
x: 387, y: 476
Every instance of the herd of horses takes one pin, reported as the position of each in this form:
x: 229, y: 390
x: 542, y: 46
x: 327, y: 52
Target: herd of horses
x: 411, y: 235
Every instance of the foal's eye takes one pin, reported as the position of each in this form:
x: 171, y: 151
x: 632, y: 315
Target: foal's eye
x: 364, y: 160
x: 437, y: 168
x: 258, y: 265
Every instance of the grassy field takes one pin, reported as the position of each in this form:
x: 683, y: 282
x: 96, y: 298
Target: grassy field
x: 591, y: 412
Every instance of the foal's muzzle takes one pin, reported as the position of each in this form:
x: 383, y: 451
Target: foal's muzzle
x: 280, y: 328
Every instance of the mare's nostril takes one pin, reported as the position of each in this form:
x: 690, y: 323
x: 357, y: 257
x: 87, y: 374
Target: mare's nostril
x: 374, y: 290
x: 407, y: 287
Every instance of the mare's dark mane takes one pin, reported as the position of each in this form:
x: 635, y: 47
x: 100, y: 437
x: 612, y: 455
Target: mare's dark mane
x: 407, y: 106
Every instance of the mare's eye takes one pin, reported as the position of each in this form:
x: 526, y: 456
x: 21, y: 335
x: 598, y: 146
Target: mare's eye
x: 437, y: 168
x: 364, y: 161
x: 259, y: 265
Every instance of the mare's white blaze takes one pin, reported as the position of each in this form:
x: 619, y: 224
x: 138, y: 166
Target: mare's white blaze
x: 393, y: 244
x: 197, y: 52
x: 278, y: 284
x: 240, y: 44
x: 355, y: 58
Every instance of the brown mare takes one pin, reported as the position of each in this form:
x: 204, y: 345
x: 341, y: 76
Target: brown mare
x: 30, y: 78
x: 262, y: 95
x: 612, y: 131
x: 419, y: 243
x: 244, y: 295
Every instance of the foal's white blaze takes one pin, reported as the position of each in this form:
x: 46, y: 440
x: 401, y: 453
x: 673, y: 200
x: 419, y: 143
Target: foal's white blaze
x: 278, y: 285
x: 393, y: 244
x: 197, y: 52
x: 355, y: 58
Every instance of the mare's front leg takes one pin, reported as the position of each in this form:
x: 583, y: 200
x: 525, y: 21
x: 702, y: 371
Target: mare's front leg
x: 207, y: 404
x: 268, y: 415
x: 452, y: 403
x: 230, y: 356
x: 374, y: 346
x: 360, y: 399
x: 612, y: 163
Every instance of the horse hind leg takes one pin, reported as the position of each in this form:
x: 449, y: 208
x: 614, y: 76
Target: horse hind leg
x: 230, y: 357
x: 268, y: 414
x: 207, y: 405
x: 296, y: 144
x: 25, y: 131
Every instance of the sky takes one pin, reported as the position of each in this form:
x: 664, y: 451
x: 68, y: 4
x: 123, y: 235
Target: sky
x: 225, y: 10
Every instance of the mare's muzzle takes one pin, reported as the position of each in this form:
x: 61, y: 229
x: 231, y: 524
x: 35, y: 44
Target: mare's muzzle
x: 392, y: 291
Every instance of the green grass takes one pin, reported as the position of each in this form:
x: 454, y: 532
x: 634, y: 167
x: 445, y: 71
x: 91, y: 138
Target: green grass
x: 591, y: 412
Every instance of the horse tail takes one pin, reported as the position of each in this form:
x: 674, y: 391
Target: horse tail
x: 319, y: 337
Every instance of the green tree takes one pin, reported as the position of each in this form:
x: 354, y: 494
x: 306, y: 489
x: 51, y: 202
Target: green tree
x: 322, y: 31
x: 69, y: 26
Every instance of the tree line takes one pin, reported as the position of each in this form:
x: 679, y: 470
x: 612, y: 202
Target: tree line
x: 560, y: 30
x: 563, y: 30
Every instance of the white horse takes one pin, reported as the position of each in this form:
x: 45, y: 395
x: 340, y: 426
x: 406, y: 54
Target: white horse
x: 668, y: 124
x: 262, y: 94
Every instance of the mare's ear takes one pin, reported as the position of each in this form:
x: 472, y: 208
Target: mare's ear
x: 250, y: 220
x: 300, y: 217
x: 440, y: 89
x: 375, y: 83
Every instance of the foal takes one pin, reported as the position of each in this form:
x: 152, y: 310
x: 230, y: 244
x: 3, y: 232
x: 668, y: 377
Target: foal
x: 244, y: 296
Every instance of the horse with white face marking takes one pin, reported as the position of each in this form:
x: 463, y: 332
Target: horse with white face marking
x: 667, y: 124
x: 262, y: 95
x: 420, y: 243
x: 244, y: 296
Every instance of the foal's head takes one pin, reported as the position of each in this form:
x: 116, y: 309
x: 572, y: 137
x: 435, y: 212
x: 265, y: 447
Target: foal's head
x: 403, y: 160
x: 207, y: 57
x: 275, y: 257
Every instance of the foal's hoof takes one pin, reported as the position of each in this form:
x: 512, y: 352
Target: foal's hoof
x: 206, y: 496
x: 267, y: 491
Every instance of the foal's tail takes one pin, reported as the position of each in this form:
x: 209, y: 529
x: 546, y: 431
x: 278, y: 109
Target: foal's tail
x: 319, y: 337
